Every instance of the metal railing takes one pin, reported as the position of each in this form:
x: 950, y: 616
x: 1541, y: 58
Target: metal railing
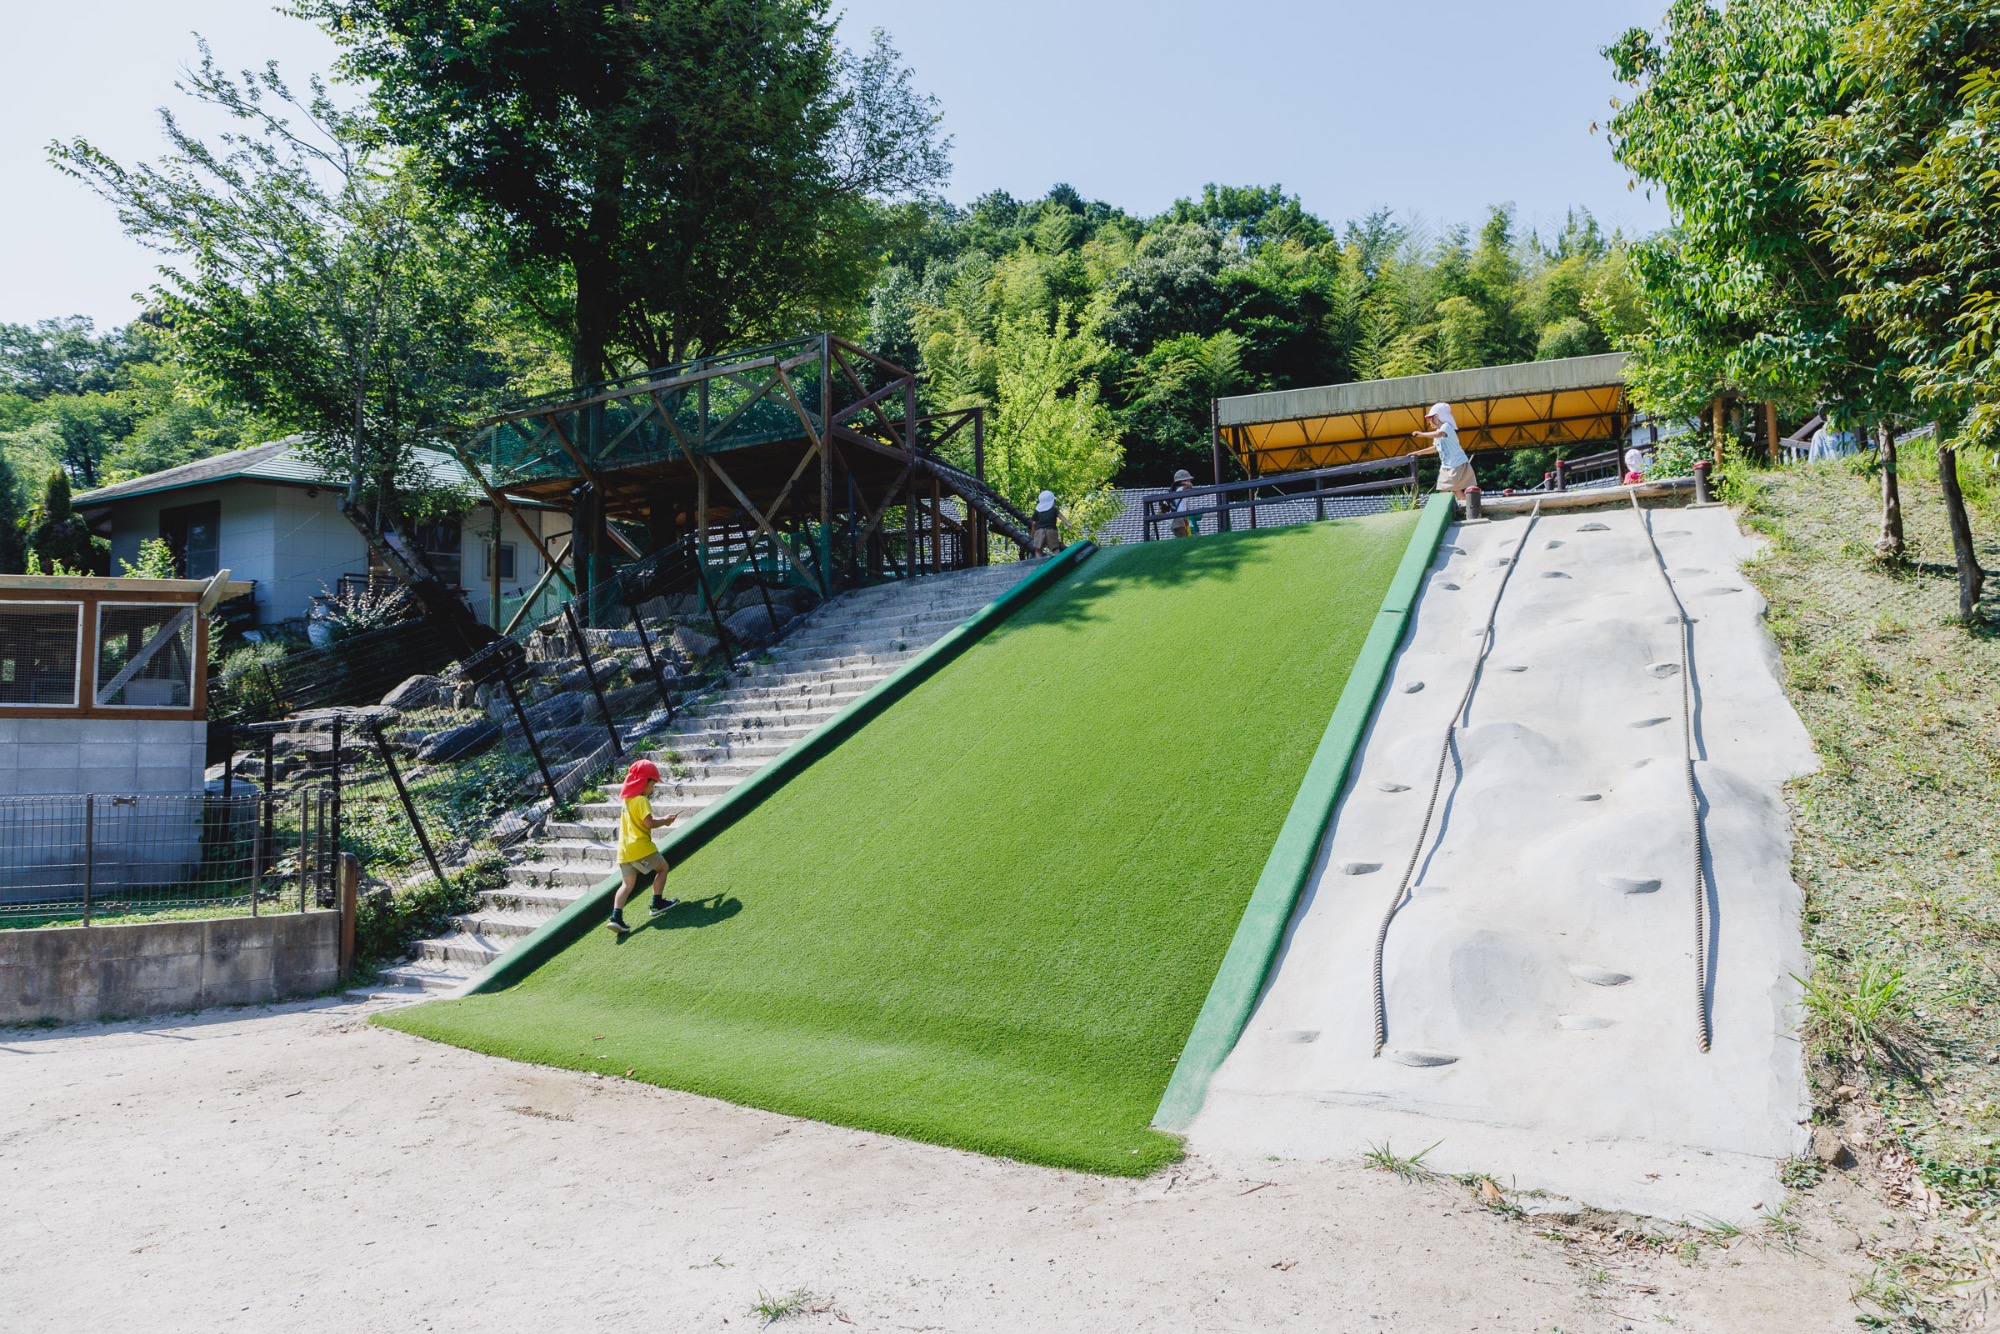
x: 1287, y: 498
x: 76, y: 860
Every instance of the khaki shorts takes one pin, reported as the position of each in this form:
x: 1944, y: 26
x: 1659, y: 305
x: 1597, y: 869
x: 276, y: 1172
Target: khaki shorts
x: 652, y: 861
x: 1046, y: 540
x: 1456, y: 480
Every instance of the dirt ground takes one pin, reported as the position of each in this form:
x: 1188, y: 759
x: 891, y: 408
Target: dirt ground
x: 293, y: 1168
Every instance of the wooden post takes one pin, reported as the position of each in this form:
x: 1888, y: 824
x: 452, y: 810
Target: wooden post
x: 1215, y: 436
x: 493, y: 580
x: 826, y: 465
x: 1719, y: 409
x: 350, y: 902
x: 1771, y: 431
x: 937, y: 526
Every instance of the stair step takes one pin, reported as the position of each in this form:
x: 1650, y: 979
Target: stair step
x: 521, y: 898
x: 464, y: 947
x: 430, y: 975
x: 512, y: 924
x: 550, y: 875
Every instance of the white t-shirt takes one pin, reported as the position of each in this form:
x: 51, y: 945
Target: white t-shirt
x: 1450, y: 453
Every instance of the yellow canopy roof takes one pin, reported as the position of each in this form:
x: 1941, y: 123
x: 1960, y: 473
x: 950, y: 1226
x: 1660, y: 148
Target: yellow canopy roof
x: 1570, y: 401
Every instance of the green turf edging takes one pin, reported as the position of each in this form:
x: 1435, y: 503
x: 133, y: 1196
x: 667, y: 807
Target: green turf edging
x: 1240, y: 979
x: 574, y: 921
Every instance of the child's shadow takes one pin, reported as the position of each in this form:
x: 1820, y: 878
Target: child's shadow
x: 692, y: 913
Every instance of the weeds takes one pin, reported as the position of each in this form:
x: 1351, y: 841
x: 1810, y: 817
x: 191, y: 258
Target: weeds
x: 1864, y: 1013
x: 1385, y: 1159
x: 799, y: 1301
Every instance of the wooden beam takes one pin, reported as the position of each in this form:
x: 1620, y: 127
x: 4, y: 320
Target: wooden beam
x: 500, y: 501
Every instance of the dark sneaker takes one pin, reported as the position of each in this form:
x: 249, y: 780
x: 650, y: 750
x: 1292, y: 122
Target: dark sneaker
x: 658, y: 906
x: 617, y: 927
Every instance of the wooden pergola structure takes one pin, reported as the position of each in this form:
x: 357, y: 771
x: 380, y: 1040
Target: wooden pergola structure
x: 1567, y: 401
x: 804, y: 447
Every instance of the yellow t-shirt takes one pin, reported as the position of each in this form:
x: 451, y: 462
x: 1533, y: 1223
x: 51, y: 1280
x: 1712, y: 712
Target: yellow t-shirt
x: 635, y: 836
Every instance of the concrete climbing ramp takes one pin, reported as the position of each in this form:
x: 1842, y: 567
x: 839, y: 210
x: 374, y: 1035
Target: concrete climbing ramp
x: 1541, y: 1014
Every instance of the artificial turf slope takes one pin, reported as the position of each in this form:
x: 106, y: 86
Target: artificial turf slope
x: 990, y: 917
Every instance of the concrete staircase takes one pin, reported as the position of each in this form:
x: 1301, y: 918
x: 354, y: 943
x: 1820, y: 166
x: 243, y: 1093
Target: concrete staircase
x: 828, y: 659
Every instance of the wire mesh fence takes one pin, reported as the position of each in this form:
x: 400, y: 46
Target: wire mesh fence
x: 92, y: 858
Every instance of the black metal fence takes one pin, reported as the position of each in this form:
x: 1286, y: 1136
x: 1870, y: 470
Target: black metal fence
x: 1288, y: 498
x: 79, y: 860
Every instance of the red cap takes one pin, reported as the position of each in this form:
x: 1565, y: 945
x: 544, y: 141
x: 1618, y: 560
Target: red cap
x: 638, y: 778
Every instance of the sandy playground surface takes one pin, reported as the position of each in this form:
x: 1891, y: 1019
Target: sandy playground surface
x: 294, y: 1169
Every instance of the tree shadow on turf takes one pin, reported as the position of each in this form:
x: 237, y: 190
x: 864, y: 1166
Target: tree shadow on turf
x: 688, y: 916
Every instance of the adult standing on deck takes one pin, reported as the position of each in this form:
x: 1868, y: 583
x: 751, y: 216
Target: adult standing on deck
x: 1454, y: 468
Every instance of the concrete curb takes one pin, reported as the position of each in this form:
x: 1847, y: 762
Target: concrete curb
x: 1254, y: 947
x: 576, y: 920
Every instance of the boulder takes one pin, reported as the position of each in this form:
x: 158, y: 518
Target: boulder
x: 692, y: 644
x: 632, y: 699
x: 754, y: 627
x: 568, y: 743
x: 518, y: 824
x: 799, y: 600
x: 603, y: 641
x: 455, y: 743
x: 546, y: 645
x: 563, y: 710
x: 416, y: 692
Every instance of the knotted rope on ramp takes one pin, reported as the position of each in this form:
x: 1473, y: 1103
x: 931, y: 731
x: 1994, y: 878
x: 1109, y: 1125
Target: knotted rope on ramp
x: 1703, y: 1032
x: 1437, y: 779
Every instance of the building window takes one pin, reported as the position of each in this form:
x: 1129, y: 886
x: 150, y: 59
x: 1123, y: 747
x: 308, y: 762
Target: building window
x: 506, y: 562
x: 39, y: 643
x: 194, y: 534
x: 440, y: 543
x: 162, y: 633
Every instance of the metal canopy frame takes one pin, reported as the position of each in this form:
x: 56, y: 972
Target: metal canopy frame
x: 1568, y: 401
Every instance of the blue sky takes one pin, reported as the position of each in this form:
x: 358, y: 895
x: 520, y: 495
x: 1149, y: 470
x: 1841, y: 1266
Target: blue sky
x: 1433, y: 107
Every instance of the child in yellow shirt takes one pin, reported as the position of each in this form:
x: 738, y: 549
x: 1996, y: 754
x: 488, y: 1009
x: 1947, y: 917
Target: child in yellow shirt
x: 637, y: 853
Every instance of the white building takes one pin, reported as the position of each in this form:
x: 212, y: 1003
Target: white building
x: 270, y: 517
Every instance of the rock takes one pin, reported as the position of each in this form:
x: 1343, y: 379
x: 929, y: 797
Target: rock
x: 603, y: 641
x: 692, y: 644
x: 754, y: 627
x: 563, y: 710
x: 466, y: 695
x: 800, y: 600
x: 516, y: 825
x: 632, y: 699
x: 566, y: 742
x: 416, y: 692
x: 1827, y: 1147
x: 457, y: 742
x: 549, y: 645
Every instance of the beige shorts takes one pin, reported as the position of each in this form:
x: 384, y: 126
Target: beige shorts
x: 1046, y: 540
x: 652, y: 861
x: 1456, y: 480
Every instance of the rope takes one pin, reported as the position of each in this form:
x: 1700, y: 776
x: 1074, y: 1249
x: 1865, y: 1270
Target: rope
x: 1703, y: 1033
x: 1437, y: 779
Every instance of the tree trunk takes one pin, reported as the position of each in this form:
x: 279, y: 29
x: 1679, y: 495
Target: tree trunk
x: 1771, y: 431
x: 595, y: 263
x: 1719, y: 425
x: 1889, y: 546
x: 1971, y: 579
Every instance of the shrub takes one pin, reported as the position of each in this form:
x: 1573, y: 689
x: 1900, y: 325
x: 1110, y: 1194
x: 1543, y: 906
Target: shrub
x: 387, y: 924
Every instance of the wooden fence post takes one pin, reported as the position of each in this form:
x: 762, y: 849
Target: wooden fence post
x: 350, y: 901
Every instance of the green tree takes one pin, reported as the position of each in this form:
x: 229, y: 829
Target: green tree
x: 671, y: 176
x: 58, y: 540
x: 1050, y: 429
x: 1744, y: 288
x: 310, y: 277
x: 11, y: 550
x: 1905, y: 189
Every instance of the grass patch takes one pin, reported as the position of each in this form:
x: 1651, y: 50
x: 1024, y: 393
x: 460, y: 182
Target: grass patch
x: 989, y: 919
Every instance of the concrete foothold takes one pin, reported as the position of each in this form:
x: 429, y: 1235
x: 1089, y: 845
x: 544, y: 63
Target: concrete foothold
x: 1598, y: 977
x: 1515, y: 667
x: 1718, y: 592
x: 1428, y: 891
x: 1584, y: 796
x: 1640, y: 764
x: 1448, y: 586
x: 1417, y: 1056
x: 1663, y: 668
x: 1629, y: 884
x: 1670, y: 620
x: 1296, y: 1034
x: 1390, y: 785
x: 1456, y: 551
x: 1593, y: 528
x: 1648, y: 722
x: 1690, y: 570
x: 1413, y: 687
x: 1554, y: 574
x: 1552, y: 544
x: 1360, y: 868
x: 1579, y: 1022
x: 1501, y: 562
x: 1676, y: 532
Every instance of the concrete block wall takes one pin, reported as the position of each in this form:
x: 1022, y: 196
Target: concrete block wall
x: 80, y: 974
x: 41, y: 757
